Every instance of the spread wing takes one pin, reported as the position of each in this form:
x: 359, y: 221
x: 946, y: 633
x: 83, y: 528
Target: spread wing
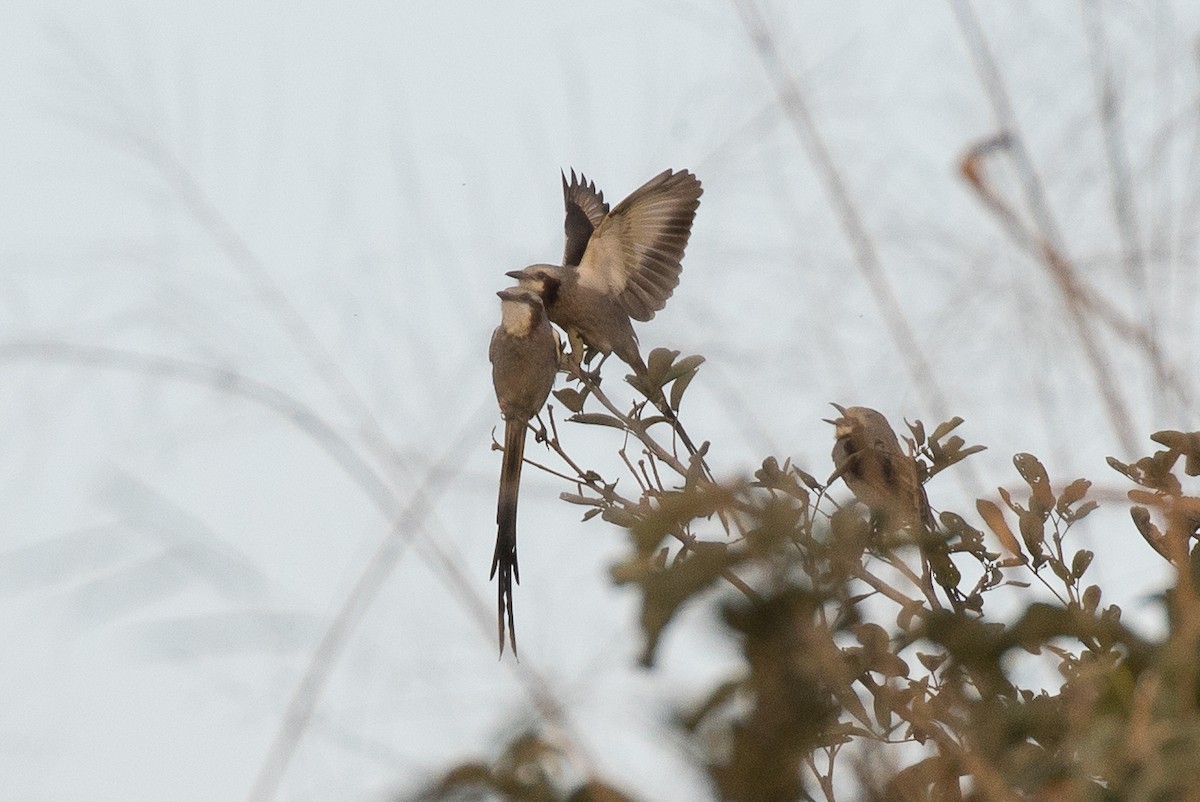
x: 585, y: 209
x: 635, y: 252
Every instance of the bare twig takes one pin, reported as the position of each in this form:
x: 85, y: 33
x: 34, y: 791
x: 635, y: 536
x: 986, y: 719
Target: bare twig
x: 866, y: 256
x: 1053, y: 251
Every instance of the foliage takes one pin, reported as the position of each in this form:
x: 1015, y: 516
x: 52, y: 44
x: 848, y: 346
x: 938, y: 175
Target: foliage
x: 856, y: 679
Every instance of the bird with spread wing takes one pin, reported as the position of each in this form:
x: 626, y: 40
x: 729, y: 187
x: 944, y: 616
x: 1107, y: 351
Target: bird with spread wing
x: 618, y: 266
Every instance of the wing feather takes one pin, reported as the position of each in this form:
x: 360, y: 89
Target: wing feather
x: 585, y: 209
x: 635, y: 252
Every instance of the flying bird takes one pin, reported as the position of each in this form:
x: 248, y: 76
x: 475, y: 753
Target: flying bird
x: 618, y: 266
x: 868, y: 458
x: 524, y: 354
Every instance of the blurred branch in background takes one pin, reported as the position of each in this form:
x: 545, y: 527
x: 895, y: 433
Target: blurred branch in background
x: 844, y: 675
x: 847, y: 653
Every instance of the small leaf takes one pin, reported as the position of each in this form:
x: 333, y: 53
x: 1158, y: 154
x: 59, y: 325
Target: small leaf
x: 808, y: 479
x: 571, y: 398
x: 1186, y: 443
x: 918, y: 432
x: 994, y: 519
x: 883, y: 707
x: 1119, y: 466
x: 873, y: 637
x: 1059, y: 569
x: 1080, y: 562
x: 658, y: 363
x: 932, y: 662
x: 1034, y: 474
x: 1091, y: 598
x: 620, y: 517
x: 911, y: 609
x: 587, y: 501
x: 1008, y: 502
x: 1033, y: 532
x: 1149, y: 531
x: 1144, y: 497
x: 679, y: 387
x: 1084, y: 510
x: 1072, y: 493
x: 590, y: 514
x: 684, y: 367
x: 944, y: 429
x: 597, y: 419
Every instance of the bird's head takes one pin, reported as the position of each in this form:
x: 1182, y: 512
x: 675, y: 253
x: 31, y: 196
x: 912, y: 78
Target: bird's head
x: 541, y: 279
x: 846, y: 424
x: 521, y: 310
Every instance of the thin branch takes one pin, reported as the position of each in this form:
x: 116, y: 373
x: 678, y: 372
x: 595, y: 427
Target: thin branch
x: 1117, y: 155
x: 866, y: 256
x: 1053, y: 251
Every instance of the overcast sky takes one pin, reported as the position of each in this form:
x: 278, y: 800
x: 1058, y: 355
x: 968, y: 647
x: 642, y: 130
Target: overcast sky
x: 248, y: 257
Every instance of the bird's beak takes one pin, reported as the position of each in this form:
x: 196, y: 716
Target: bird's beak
x: 830, y: 422
x: 508, y: 294
x: 838, y: 407
x: 517, y: 274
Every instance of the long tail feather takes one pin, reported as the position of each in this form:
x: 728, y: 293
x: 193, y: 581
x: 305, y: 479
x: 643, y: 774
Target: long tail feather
x: 505, y: 557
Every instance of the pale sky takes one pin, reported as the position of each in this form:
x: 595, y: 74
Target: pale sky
x: 248, y: 258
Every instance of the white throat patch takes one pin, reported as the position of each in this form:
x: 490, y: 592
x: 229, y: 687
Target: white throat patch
x: 517, y: 318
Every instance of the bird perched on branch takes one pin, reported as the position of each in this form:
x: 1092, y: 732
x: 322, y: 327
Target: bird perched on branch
x: 524, y: 353
x: 618, y: 266
x: 868, y: 458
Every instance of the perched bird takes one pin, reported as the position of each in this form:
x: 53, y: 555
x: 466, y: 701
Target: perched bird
x: 618, y: 266
x: 524, y: 354
x: 868, y: 457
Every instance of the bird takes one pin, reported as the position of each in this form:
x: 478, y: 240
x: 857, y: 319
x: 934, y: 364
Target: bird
x: 524, y: 353
x: 867, y: 456
x: 618, y: 266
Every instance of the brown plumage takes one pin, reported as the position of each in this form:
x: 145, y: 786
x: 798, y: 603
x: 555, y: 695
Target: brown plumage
x: 524, y: 356
x: 619, y: 265
x: 868, y: 457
